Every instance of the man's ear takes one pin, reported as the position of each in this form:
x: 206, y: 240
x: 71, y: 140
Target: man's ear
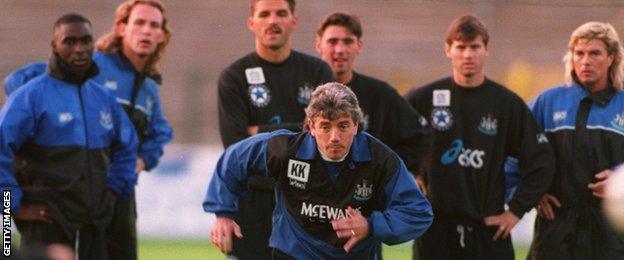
x: 317, y: 44
x: 447, y: 50
x: 120, y: 29
x: 250, y: 24
x: 161, y: 36
x: 310, y: 124
x: 360, y: 45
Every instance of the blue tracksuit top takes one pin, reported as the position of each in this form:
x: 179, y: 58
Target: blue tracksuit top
x: 22, y: 75
x: 118, y: 75
x: 67, y: 131
x: 396, y: 210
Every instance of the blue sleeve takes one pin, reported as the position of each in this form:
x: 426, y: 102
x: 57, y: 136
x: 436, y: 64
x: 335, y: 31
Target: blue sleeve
x: 230, y: 175
x: 408, y: 214
x: 512, y: 169
x: 512, y: 177
x: 121, y: 174
x: 158, y: 133
x: 17, y: 125
x: 22, y: 75
x: 536, y: 107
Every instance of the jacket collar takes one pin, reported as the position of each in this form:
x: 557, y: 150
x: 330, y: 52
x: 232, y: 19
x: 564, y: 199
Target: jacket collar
x: 600, y: 98
x: 57, y: 68
x: 125, y: 63
x: 360, y: 151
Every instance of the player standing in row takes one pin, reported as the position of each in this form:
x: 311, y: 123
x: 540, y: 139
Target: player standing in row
x: 265, y: 90
x: 387, y: 115
x: 477, y: 124
x: 77, y: 149
x: 584, y: 121
x: 128, y: 58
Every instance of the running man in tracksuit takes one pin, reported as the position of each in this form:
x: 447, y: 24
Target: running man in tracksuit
x: 68, y: 151
x: 339, y: 191
x: 265, y: 90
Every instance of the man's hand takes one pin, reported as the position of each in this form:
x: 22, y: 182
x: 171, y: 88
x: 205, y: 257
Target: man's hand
x: 420, y: 182
x: 221, y: 233
x: 544, y: 209
x: 253, y: 130
x: 598, y: 187
x: 140, y: 165
x: 354, y: 226
x: 505, y: 222
x: 34, y: 212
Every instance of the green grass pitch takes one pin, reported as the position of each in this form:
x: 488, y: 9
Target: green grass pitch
x: 156, y: 249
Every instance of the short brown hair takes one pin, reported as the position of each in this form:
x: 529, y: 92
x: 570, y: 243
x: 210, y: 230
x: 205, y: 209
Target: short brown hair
x: 252, y: 6
x: 349, y: 21
x: 467, y: 28
x: 112, y: 41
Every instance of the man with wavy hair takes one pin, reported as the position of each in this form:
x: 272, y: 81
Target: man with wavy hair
x: 339, y: 191
x: 584, y: 121
x: 129, y: 57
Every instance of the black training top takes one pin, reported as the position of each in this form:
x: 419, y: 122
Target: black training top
x: 254, y: 92
x: 392, y: 120
x: 475, y: 130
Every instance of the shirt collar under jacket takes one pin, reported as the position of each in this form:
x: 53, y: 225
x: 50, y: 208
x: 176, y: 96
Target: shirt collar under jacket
x: 57, y: 68
x: 360, y: 151
x: 600, y: 98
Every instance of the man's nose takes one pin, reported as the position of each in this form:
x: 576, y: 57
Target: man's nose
x: 585, y: 59
x: 80, y: 47
x: 340, y: 47
x: 334, y: 135
x: 146, y: 29
x: 272, y: 19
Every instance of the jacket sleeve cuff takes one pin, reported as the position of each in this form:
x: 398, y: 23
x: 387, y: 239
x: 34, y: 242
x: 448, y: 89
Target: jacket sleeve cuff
x: 114, y: 188
x: 150, y: 162
x: 517, y: 210
x: 224, y: 214
x: 371, y: 228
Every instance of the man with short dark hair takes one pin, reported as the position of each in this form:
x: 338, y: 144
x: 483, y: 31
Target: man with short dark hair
x: 340, y: 192
x: 478, y: 123
x: 265, y: 90
x: 387, y: 115
x: 128, y: 58
x: 76, y: 147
